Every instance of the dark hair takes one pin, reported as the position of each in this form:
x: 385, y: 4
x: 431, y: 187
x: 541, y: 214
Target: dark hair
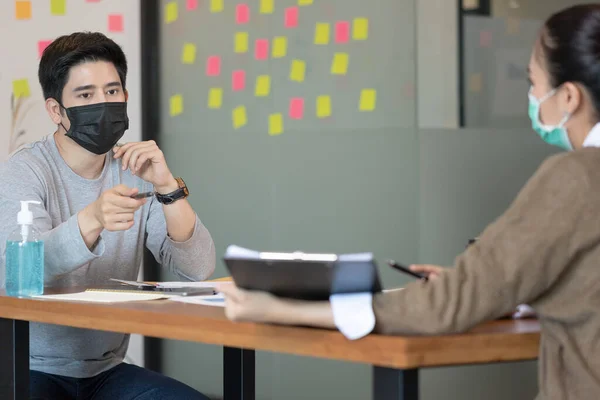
x: 68, y: 51
x: 570, y: 44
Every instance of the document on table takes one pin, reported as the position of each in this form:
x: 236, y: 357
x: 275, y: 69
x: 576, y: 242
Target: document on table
x: 217, y: 300
x: 102, y: 297
x: 173, y: 285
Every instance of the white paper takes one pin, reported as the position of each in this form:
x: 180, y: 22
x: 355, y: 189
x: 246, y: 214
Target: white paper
x: 102, y: 297
x: 217, y: 300
x: 177, y: 285
x: 353, y: 314
x: 238, y: 252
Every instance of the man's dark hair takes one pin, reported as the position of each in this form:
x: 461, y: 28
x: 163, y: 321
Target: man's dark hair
x: 71, y: 50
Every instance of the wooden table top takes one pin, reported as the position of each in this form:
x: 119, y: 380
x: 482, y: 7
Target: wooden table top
x: 496, y: 341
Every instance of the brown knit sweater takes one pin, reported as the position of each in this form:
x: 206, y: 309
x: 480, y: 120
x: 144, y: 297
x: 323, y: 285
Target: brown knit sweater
x: 544, y: 251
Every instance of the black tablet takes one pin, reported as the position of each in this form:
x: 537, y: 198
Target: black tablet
x: 302, y: 275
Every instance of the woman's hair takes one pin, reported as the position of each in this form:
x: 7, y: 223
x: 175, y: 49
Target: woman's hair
x: 570, y: 45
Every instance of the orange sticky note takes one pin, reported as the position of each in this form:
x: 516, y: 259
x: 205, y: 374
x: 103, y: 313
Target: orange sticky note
x: 23, y: 9
x: 176, y: 105
x: 21, y: 88
x: 58, y: 7
x: 275, y: 124
x: 239, y: 116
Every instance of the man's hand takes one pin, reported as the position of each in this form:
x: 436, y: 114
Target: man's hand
x: 146, y: 160
x: 114, y: 209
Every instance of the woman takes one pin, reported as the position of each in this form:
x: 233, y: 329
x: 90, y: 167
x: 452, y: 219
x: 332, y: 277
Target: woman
x: 544, y: 251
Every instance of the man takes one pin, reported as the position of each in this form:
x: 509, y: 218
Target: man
x: 93, y: 229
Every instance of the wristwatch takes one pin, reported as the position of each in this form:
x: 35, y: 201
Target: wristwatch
x: 172, y: 197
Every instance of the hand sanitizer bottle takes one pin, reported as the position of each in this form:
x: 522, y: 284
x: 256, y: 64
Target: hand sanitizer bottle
x: 25, y: 257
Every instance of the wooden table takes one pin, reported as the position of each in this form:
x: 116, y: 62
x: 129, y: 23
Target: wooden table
x: 396, y: 360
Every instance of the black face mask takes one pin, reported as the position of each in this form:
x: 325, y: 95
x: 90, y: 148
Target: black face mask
x: 98, y: 127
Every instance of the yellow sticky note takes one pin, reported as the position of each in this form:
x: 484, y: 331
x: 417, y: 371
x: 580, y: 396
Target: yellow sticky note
x: 368, y: 99
x: 216, y: 6
x: 58, y: 7
x: 23, y: 9
x: 171, y: 12
x: 275, y: 124
x: 322, y: 33
x: 188, y: 55
x: 512, y: 26
x: 239, y: 117
x: 279, y: 46
x: 305, y: 2
x: 323, y: 106
x: 215, y: 98
x: 267, y: 6
x: 339, y: 66
x: 298, y: 71
x: 241, y: 42
x: 475, y: 83
x: 360, y: 29
x: 21, y: 88
x: 176, y: 105
x: 263, y: 86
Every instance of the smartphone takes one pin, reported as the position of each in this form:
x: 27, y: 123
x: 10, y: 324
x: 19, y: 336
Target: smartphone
x: 142, y: 195
x: 406, y: 270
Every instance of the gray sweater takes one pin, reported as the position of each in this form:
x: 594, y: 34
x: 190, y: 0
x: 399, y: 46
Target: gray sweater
x: 38, y: 172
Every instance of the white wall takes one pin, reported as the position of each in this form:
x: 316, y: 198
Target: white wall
x: 19, y: 44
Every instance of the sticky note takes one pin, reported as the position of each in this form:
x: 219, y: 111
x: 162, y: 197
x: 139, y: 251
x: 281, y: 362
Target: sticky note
x: 512, y: 26
x: 475, y: 83
x: 368, y: 99
x: 275, y: 124
x: 115, y: 23
x: 322, y: 33
x: 171, y: 12
x: 58, y: 7
x: 239, y: 116
x: 291, y: 17
x: 261, y: 49
x: 342, y: 31
x: 192, y: 4
x: 216, y: 6
x: 23, y: 9
x: 339, y: 66
x: 215, y: 98
x: 296, y: 108
x: 279, y: 47
x: 267, y: 6
x: 21, y: 88
x: 485, y: 38
x: 360, y: 29
x: 263, y: 86
x: 240, y: 44
x: 188, y: 55
x: 305, y: 2
x: 176, y: 106
x: 298, y: 71
x: 238, y: 80
x: 42, y: 44
x: 323, y: 106
x: 213, y: 66
x: 242, y: 14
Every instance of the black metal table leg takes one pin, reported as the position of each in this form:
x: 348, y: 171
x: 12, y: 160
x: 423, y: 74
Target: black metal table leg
x: 14, y: 359
x: 395, y: 384
x: 238, y: 374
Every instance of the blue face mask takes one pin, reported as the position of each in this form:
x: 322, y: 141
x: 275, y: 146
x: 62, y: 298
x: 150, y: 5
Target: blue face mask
x: 555, y: 135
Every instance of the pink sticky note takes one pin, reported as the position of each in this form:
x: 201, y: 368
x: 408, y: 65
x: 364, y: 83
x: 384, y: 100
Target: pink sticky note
x: 342, y: 31
x: 115, y: 23
x: 485, y: 38
x: 242, y: 14
x: 238, y: 80
x: 213, y: 66
x: 291, y: 17
x: 192, y: 4
x: 261, y: 49
x: 297, y: 108
x: 42, y: 44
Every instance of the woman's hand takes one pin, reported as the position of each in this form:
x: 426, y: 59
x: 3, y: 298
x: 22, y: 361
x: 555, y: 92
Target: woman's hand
x: 431, y: 271
x: 251, y: 306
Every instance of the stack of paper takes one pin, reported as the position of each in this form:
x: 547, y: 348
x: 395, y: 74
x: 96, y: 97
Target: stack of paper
x: 103, y: 297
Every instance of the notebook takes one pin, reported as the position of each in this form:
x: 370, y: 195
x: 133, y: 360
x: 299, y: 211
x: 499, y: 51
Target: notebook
x: 103, y: 297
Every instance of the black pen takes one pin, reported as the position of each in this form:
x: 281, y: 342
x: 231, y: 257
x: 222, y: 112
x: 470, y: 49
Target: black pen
x: 142, y: 195
x: 406, y: 270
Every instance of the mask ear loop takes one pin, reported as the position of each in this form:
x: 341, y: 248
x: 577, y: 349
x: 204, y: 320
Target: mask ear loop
x: 64, y: 108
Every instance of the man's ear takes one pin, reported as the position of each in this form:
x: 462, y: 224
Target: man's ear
x: 126, y: 95
x: 54, y: 110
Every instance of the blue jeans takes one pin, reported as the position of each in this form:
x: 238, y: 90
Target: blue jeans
x: 123, y: 382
